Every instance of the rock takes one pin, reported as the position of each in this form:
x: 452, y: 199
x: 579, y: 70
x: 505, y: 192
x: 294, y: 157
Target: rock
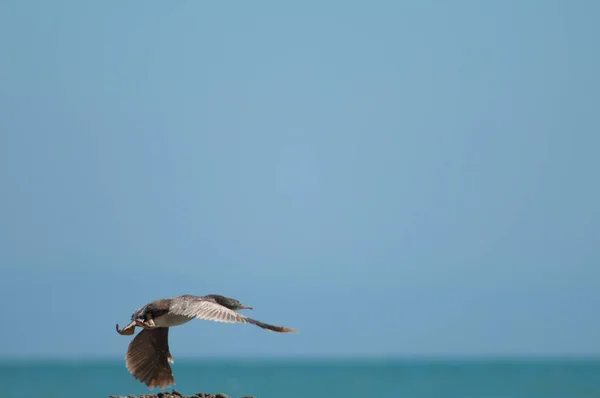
x: 177, y: 394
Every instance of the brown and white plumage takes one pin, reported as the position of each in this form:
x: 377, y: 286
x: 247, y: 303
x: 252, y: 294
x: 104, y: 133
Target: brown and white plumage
x: 148, y: 355
x: 148, y: 358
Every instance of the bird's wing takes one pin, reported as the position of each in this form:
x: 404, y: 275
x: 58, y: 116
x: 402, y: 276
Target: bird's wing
x: 147, y: 358
x: 273, y: 328
x: 201, y: 308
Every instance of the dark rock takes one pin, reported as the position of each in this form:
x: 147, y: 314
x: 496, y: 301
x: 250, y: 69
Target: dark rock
x: 177, y: 394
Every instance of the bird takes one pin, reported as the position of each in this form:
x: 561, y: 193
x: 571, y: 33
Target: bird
x: 148, y: 356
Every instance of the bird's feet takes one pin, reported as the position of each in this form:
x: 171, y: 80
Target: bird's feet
x: 147, y: 324
x: 127, y: 330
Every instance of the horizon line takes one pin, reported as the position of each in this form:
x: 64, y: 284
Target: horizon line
x: 487, y: 357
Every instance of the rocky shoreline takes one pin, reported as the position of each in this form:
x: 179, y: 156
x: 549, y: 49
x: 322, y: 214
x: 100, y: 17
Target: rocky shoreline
x: 177, y: 394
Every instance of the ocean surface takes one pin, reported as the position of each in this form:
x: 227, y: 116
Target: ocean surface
x: 314, y: 378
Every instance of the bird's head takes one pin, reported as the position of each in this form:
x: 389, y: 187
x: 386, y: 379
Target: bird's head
x: 139, y: 314
x: 230, y: 303
x: 143, y: 318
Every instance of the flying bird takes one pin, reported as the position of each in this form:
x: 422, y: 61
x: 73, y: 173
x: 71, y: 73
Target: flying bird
x: 148, y: 355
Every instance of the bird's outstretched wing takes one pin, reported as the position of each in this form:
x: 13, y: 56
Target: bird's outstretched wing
x: 148, y: 356
x: 203, y: 308
x: 278, y: 329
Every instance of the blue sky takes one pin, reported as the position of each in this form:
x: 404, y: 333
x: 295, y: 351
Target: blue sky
x: 398, y: 178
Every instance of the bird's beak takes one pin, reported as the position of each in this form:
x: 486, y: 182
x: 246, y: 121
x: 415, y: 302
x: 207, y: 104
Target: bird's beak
x: 245, y: 307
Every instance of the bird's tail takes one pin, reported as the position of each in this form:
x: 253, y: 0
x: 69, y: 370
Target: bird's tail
x: 279, y: 329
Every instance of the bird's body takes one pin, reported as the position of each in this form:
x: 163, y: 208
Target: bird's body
x: 148, y: 354
x: 169, y: 320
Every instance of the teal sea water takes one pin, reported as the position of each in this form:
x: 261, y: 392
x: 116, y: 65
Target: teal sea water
x: 315, y: 378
